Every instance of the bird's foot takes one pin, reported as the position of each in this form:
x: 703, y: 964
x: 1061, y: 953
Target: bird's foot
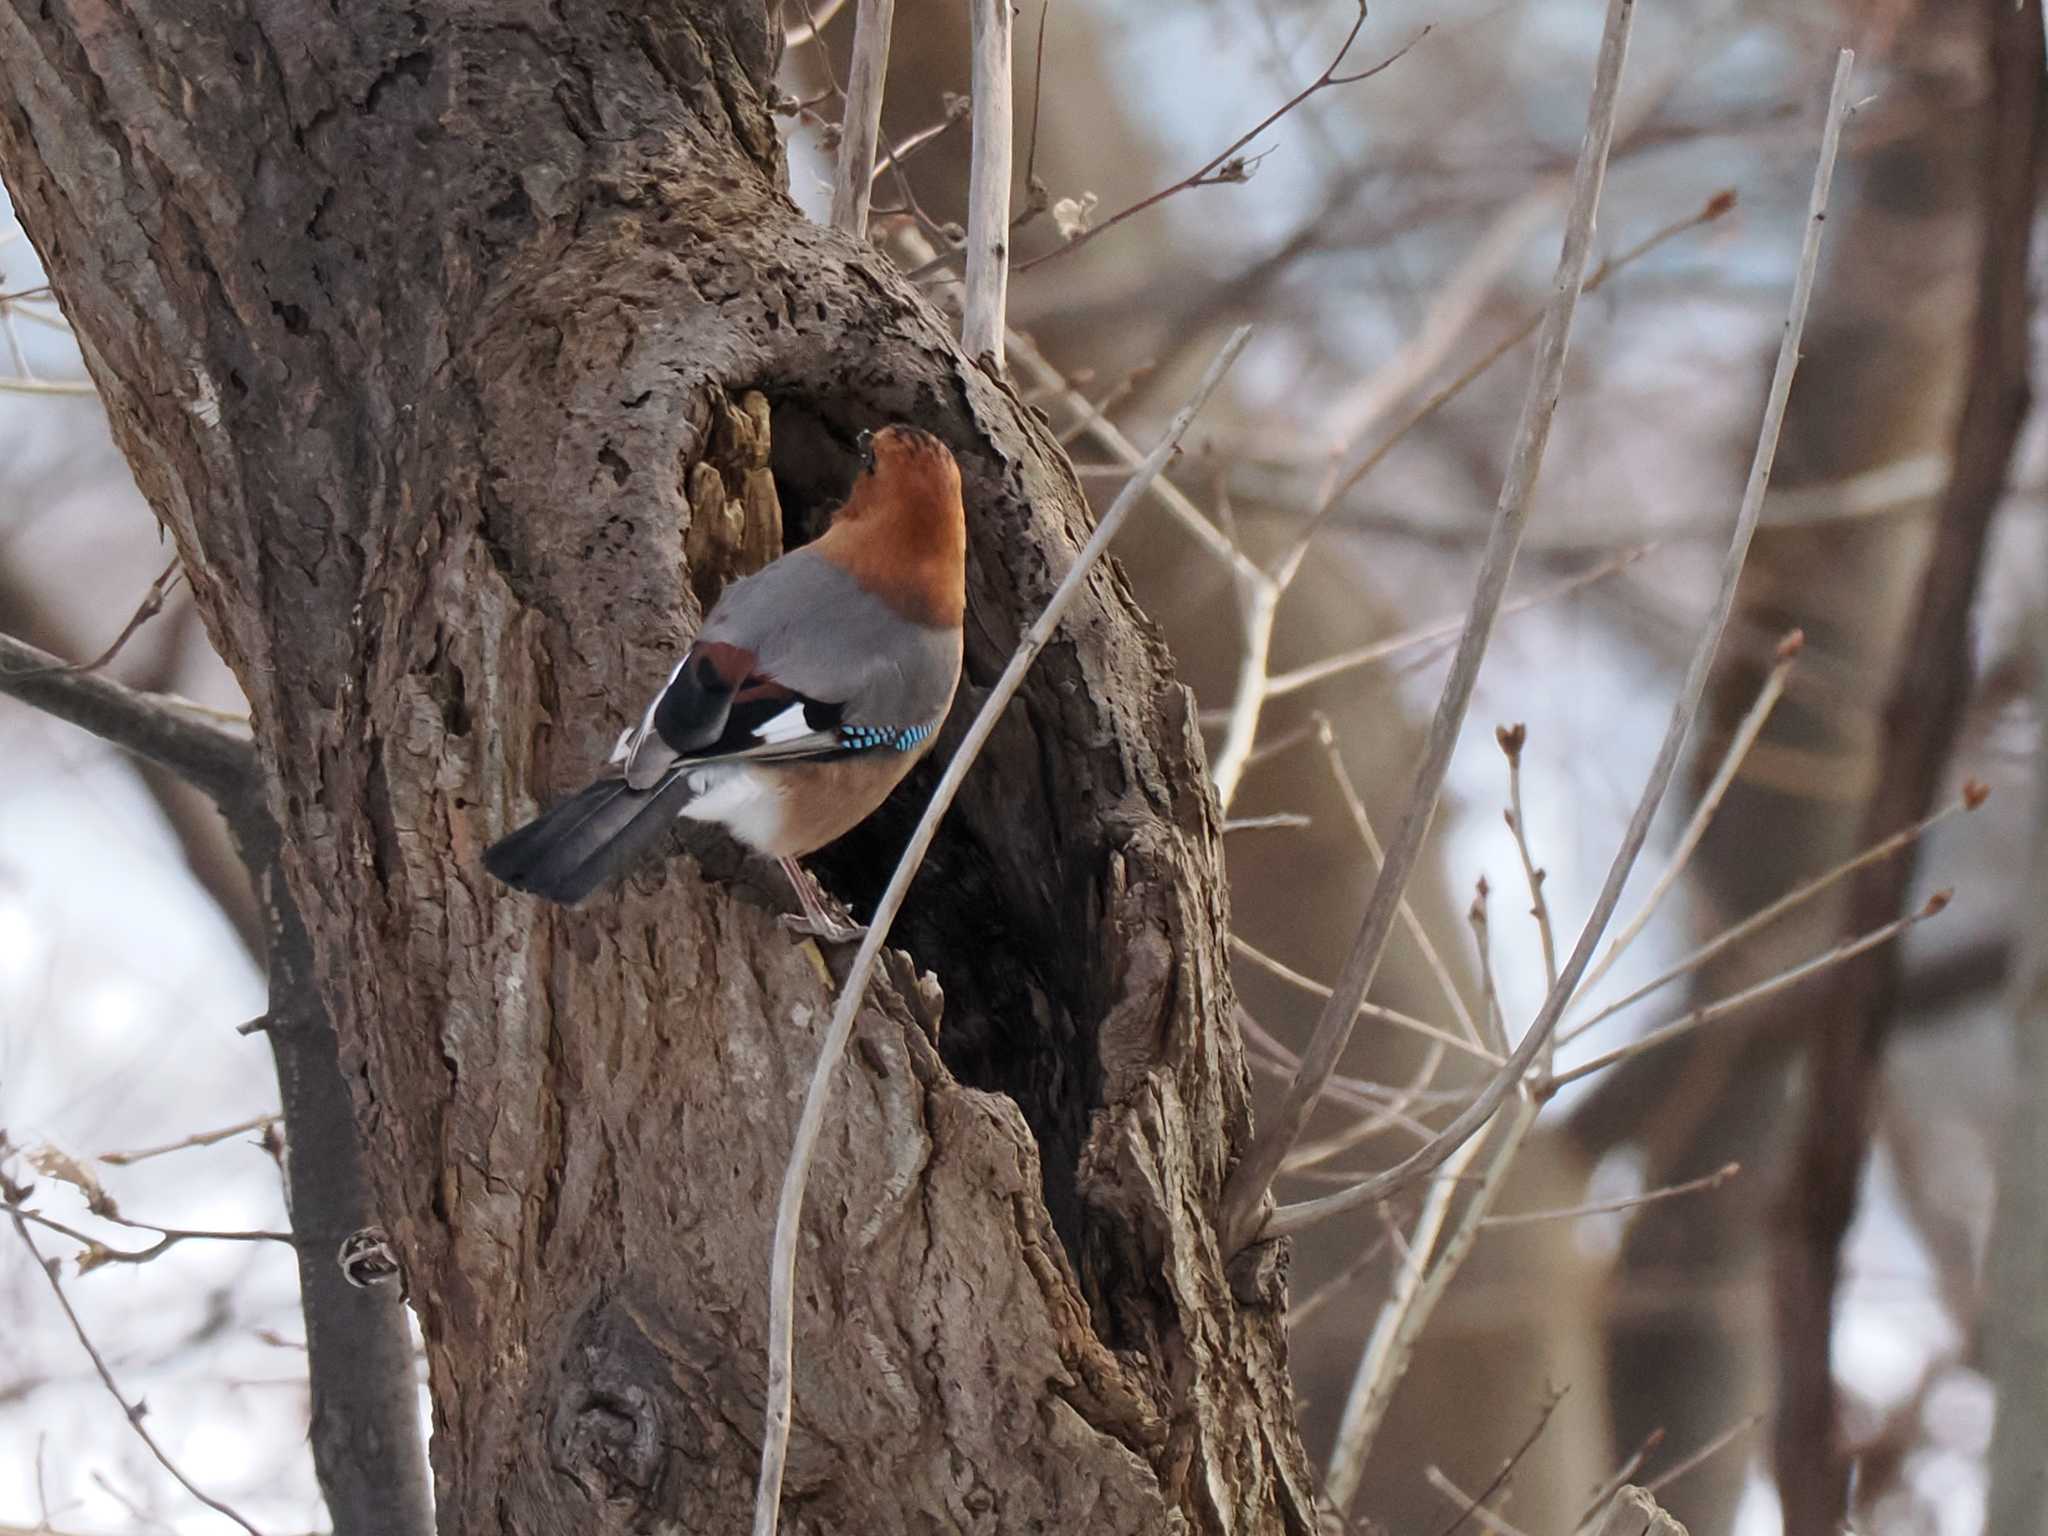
x: 819, y: 919
x: 825, y: 927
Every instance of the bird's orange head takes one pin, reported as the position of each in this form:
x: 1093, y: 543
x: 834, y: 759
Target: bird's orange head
x: 902, y: 533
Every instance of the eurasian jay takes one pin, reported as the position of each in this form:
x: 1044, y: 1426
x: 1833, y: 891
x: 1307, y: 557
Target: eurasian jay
x: 812, y: 688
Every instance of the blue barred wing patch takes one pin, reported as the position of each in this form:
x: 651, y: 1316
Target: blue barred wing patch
x: 866, y: 738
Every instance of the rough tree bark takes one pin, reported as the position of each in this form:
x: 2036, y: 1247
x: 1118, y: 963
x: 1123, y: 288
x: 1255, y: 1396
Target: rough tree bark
x: 413, y: 322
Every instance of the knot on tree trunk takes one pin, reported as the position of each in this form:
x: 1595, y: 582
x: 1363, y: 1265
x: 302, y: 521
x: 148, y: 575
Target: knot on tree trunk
x: 606, y: 1426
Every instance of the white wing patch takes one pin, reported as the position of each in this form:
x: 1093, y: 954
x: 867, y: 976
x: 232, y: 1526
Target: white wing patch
x: 787, y: 726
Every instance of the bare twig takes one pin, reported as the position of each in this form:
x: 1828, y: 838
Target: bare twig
x: 1394, y: 1332
x: 1489, y: 1520
x: 132, y: 1412
x: 1717, y: 205
x: 1713, y: 1180
x: 988, y: 186
x: 1246, y: 1199
x: 1231, y: 165
x: 1511, y: 739
x: 1417, y: 930
x: 98, y: 1253
x: 1848, y: 949
x: 1705, y: 1453
x: 151, y: 605
x: 1608, y: 1491
x: 1972, y: 796
x: 854, y: 178
x: 1292, y: 681
x: 1507, y: 1468
x: 1293, y: 1218
x: 789, y: 1208
x: 196, y: 1139
x: 1746, y: 735
x: 1373, y: 1011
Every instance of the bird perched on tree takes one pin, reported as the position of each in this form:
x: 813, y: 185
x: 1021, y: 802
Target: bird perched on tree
x: 812, y: 688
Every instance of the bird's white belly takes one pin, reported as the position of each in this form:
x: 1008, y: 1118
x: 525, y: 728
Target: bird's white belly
x: 740, y: 798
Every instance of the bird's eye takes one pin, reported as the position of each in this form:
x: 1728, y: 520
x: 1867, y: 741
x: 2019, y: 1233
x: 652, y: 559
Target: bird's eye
x: 865, y: 442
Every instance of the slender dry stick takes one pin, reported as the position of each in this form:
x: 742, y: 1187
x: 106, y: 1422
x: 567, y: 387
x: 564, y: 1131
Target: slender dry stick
x: 988, y: 186
x: 1511, y: 739
x: 1230, y: 165
x: 789, y: 1208
x: 1623, y: 1474
x: 1418, y: 931
x: 1296, y: 1217
x: 1373, y: 1011
x: 1245, y: 1198
x: 133, y: 1412
x: 1489, y: 1520
x: 1356, y: 1090
x: 1387, y: 1346
x: 1705, y: 1453
x: 1973, y: 795
x: 1334, y: 489
x: 1507, y: 1467
x: 1717, y: 205
x: 1746, y: 735
x: 854, y: 179
x: 1848, y: 949
x: 1489, y: 992
x: 196, y: 1139
x: 1106, y: 432
x: 1294, y: 680
x: 1713, y: 1180
x: 1401, y: 1322
x: 151, y: 605
x: 98, y: 1253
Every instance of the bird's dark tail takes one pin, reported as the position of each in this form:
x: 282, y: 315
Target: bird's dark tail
x: 568, y: 852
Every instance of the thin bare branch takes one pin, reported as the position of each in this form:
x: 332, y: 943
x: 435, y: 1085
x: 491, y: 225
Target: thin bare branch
x: 1608, y: 1491
x: 1417, y: 930
x: 861, y: 122
x: 1713, y: 1180
x: 1746, y: 735
x: 789, y: 1207
x: 1373, y: 1011
x: 1848, y: 949
x: 1974, y: 794
x: 1246, y: 1200
x: 988, y: 186
x: 196, y: 1139
x: 1512, y: 739
x: 1297, y: 678
x: 1514, y: 1460
x: 1489, y: 1520
x: 1684, y: 708
x: 1230, y: 165
x: 1705, y: 1453
x: 132, y: 1412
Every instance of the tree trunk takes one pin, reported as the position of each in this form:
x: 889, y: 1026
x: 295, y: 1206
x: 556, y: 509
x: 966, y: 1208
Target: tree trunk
x: 412, y: 325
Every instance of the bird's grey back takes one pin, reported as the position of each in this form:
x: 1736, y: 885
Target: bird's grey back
x: 813, y: 628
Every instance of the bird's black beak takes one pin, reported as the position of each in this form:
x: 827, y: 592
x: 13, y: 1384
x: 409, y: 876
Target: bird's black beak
x: 865, y: 443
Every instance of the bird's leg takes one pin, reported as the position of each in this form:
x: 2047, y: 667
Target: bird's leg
x: 818, y: 919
